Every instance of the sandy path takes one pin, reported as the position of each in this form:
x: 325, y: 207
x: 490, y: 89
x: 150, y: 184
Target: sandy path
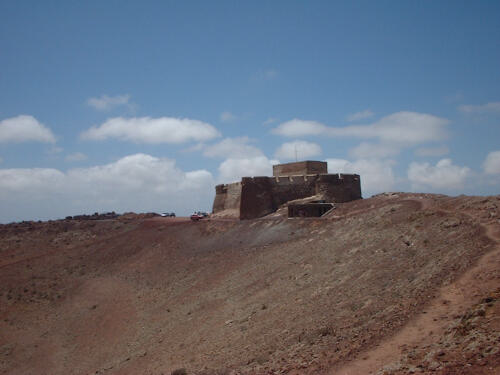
x: 452, y: 300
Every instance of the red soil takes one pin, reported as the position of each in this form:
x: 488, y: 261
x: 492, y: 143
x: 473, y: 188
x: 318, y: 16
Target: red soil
x: 394, y: 284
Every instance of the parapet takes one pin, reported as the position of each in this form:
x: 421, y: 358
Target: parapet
x: 338, y: 178
x: 300, y: 168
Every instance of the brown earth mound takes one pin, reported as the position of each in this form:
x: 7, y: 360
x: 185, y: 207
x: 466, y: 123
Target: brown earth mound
x: 394, y: 284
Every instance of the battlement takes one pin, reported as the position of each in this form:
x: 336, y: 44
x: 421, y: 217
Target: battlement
x: 335, y: 178
x: 339, y: 178
x: 258, y: 196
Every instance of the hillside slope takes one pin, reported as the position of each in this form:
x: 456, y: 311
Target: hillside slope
x: 376, y: 285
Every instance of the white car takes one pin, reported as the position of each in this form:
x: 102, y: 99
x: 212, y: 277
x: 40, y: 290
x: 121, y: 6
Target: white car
x: 168, y: 214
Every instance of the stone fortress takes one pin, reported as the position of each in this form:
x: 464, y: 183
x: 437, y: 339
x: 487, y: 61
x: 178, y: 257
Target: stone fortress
x: 254, y: 197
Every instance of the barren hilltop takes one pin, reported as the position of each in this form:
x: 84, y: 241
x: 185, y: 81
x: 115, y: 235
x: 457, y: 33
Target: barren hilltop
x: 394, y: 284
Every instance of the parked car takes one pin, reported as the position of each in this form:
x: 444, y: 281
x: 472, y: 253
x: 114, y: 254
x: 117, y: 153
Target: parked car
x: 168, y: 214
x: 196, y: 216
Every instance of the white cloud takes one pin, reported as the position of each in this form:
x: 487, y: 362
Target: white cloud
x: 298, y: 128
x: 105, y: 102
x: 376, y: 175
x: 235, y: 148
x: 76, y: 156
x: 270, y: 120
x: 491, y: 164
x: 139, y: 183
x: 432, y: 151
x: 24, y: 128
x: 443, y: 176
x: 152, y: 130
x: 300, y: 149
x: 30, y: 181
x: 366, y: 150
x: 360, y: 115
x: 231, y: 169
x: 401, y: 127
x: 227, y: 117
x: 481, y: 108
x: 195, y: 148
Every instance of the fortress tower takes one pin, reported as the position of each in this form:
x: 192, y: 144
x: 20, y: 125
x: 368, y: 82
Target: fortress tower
x: 254, y: 197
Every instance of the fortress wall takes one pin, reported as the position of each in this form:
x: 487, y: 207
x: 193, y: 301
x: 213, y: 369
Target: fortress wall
x: 220, y: 198
x: 339, y: 187
x: 227, y: 196
x: 233, y: 196
x: 256, y: 197
x: 263, y: 195
x: 284, y: 189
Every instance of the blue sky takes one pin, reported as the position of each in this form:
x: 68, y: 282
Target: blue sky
x: 145, y: 106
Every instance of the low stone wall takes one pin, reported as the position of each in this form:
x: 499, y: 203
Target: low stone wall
x: 309, y: 209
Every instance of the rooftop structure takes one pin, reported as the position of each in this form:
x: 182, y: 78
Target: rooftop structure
x: 300, y: 168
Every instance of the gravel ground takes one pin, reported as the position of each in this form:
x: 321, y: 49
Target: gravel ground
x: 275, y: 295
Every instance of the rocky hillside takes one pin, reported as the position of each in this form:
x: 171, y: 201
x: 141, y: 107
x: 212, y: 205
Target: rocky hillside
x: 394, y: 284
